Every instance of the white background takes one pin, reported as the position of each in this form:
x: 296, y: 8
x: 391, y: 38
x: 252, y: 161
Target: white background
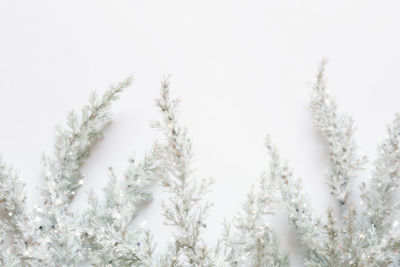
x: 242, y: 69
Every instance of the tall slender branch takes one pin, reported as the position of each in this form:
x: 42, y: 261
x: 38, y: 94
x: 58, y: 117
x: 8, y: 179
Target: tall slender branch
x: 184, y: 209
x: 338, y: 130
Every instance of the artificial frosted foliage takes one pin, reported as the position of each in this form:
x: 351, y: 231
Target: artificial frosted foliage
x: 338, y: 130
x: 343, y: 239
x: 49, y: 235
x: 251, y: 242
x: 106, y: 233
x: 348, y: 239
x: 184, y: 210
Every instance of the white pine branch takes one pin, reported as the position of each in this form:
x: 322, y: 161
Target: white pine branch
x: 62, y: 171
x: 301, y: 215
x: 252, y: 242
x: 338, y: 130
x: 115, y: 239
x: 184, y: 210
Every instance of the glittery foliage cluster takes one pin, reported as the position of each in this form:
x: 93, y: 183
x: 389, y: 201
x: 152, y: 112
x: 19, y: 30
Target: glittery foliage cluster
x: 106, y: 234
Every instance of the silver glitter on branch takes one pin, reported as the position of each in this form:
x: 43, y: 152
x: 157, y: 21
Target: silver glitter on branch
x: 252, y: 242
x: 338, y: 130
x: 348, y: 240
x: 47, y: 237
x: 107, y: 234
x: 184, y: 210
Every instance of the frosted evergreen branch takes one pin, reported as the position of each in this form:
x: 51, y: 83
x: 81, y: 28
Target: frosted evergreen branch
x: 13, y: 197
x: 301, y: 215
x: 63, y: 177
x: 17, y: 221
x: 9, y: 259
x: 62, y: 171
x: 252, y: 242
x: 377, y: 198
x: 148, y: 247
x: 333, y: 241
x: 115, y: 240
x: 103, y: 243
x: 350, y: 242
x: 184, y: 209
x: 384, y: 180
x: 338, y: 130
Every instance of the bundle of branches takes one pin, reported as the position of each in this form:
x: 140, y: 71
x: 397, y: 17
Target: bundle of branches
x: 105, y: 234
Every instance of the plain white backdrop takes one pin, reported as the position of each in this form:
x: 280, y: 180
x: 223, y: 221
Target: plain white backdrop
x: 242, y: 68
